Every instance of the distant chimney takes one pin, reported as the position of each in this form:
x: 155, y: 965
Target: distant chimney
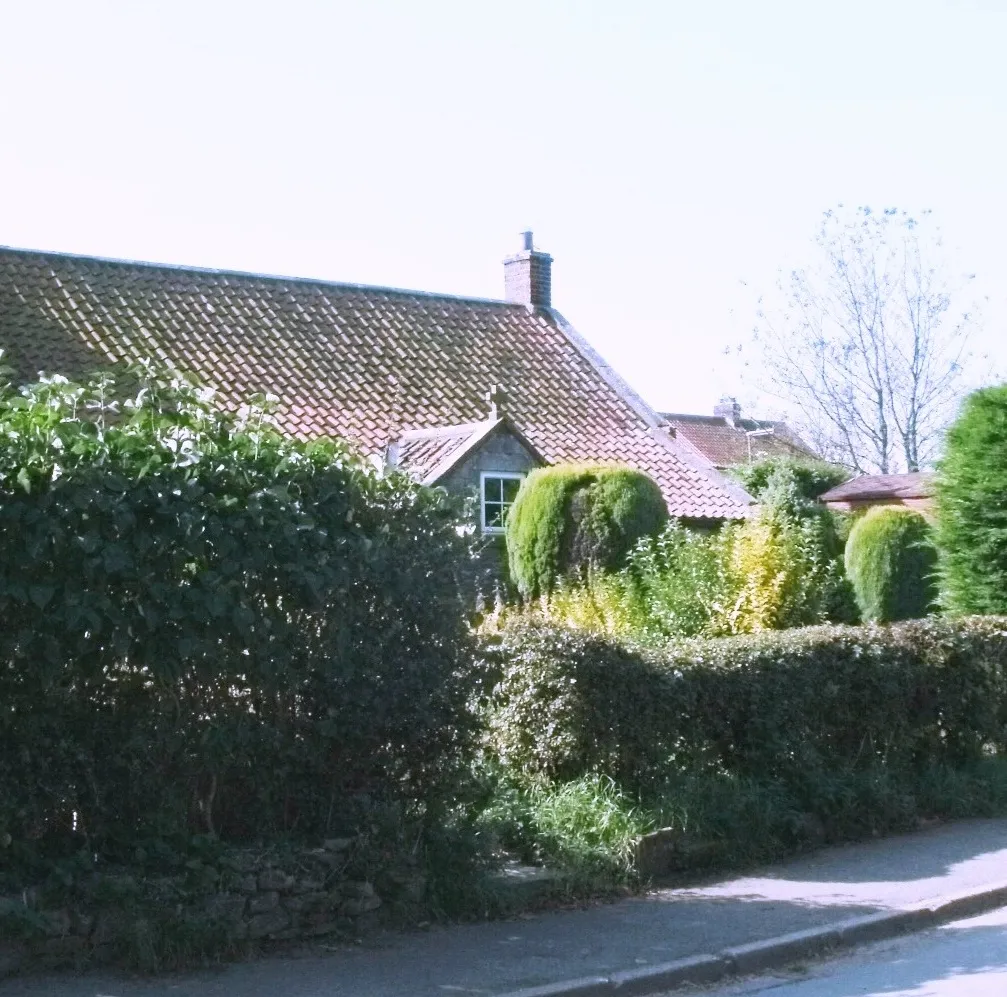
x: 729, y: 409
x: 528, y: 276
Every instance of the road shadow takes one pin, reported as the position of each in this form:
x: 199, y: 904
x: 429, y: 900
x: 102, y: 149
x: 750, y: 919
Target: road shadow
x: 966, y: 958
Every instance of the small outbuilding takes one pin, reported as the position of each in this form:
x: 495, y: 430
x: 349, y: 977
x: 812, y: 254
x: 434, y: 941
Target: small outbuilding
x: 914, y: 490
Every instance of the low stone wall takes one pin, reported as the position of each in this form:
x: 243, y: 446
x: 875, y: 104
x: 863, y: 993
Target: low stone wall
x: 243, y: 897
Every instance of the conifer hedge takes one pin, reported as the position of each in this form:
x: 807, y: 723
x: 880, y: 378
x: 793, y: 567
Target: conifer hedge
x: 972, y: 507
x: 569, y: 519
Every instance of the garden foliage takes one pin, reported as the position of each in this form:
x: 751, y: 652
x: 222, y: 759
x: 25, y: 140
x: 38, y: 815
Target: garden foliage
x: 812, y: 477
x: 823, y: 718
x: 891, y: 563
x: 780, y: 568
x: 206, y: 626
x: 569, y: 520
x: 972, y: 507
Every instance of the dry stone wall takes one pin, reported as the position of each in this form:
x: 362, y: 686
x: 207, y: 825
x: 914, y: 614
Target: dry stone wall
x: 245, y: 897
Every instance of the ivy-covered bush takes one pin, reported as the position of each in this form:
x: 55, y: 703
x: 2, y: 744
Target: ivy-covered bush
x: 891, y: 562
x: 207, y: 626
x: 972, y: 506
x: 803, y: 709
x: 570, y: 519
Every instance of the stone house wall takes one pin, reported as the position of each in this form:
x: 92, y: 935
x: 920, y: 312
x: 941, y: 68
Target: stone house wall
x: 502, y: 452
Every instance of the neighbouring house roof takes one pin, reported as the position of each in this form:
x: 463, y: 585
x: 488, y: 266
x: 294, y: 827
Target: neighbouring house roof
x: 368, y: 364
x: 882, y: 488
x: 725, y: 442
x: 430, y: 454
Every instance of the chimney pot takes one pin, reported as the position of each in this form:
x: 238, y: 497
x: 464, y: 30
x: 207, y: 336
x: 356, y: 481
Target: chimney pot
x: 729, y: 409
x: 528, y: 275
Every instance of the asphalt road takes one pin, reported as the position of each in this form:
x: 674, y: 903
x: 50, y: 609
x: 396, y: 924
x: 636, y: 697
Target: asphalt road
x: 962, y: 959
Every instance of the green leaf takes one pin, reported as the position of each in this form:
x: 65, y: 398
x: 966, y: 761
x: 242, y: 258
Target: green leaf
x: 41, y: 594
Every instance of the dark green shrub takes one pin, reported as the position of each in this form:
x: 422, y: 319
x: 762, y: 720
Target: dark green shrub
x: 813, y: 477
x: 972, y: 507
x: 570, y: 519
x: 206, y: 626
x: 891, y: 562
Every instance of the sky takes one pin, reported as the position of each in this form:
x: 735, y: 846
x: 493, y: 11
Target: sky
x: 673, y: 157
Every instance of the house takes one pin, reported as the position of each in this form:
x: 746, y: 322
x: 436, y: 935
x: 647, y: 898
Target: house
x: 914, y: 490
x: 725, y: 438
x: 463, y: 392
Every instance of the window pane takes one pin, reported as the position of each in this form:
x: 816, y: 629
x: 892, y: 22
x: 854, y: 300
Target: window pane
x: 498, y: 496
x: 510, y: 489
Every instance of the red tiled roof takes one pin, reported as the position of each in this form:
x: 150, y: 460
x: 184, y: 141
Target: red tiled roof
x: 362, y: 363
x: 724, y: 444
x: 881, y: 487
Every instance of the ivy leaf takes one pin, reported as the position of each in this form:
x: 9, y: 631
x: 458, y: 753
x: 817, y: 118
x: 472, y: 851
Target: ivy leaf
x: 41, y: 594
x: 24, y: 480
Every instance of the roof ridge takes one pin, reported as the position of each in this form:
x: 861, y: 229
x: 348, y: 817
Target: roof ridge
x: 693, y: 417
x: 255, y: 275
x: 691, y: 456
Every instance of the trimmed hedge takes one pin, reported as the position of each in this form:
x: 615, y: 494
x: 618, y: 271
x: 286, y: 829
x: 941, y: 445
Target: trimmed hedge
x: 569, y: 519
x: 891, y: 561
x: 972, y: 506
x: 207, y: 627
x: 803, y: 709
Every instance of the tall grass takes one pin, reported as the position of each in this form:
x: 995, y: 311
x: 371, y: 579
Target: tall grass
x: 586, y: 828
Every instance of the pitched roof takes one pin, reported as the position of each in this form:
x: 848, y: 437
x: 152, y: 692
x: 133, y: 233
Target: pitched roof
x: 362, y: 363
x: 429, y: 454
x: 725, y: 443
x: 881, y: 487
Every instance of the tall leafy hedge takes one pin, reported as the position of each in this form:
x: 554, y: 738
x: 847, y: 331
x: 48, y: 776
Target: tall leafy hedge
x: 891, y: 562
x: 574, y: 518
x: 972, y: 506
x: 206, y: 626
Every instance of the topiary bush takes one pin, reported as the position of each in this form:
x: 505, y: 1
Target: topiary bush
x: 972, y: 507
x: 572, y: 519
x: 891, y: 562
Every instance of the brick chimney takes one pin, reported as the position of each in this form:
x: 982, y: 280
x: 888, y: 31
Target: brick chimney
x: 528, y: 276
x: 729, y: 409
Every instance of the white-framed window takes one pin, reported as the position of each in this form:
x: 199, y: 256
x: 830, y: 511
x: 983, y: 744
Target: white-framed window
x: 497, y: 491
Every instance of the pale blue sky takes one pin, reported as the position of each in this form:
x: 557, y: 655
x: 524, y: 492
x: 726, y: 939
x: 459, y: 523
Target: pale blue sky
x: 671, y: 156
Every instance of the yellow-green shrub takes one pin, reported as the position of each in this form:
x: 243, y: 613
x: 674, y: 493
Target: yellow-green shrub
x: 570, y: 519
x: 891, y: 561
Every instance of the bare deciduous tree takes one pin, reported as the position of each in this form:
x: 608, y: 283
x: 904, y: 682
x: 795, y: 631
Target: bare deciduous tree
x: 870, y: 347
